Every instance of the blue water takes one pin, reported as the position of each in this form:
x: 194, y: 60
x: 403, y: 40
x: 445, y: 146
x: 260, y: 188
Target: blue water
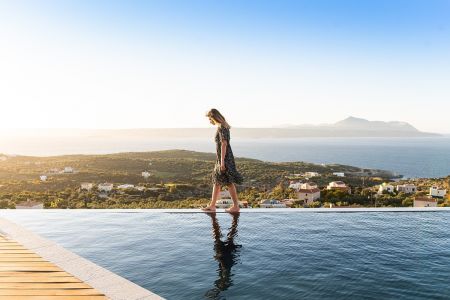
x: 287, y: 255
x: 411, y: 157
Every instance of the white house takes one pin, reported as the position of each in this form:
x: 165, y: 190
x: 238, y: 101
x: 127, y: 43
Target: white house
x: 225, y: 200
x: 295, y: 185
x: 338, y: 185
x: 308, y: 194
x: 29, y: 205
x: 139, y: 188
x: 271, y: 203
x: 288, y: 202
x: 87, y: 186
x: 437, y: 192
x: 43, y: 178
x: 125, y: 186
x: 339, y: 174
x: 105, y: 187
x: 146, y: 174
x: 406, y: 188
x: 425, y: 202
x: 68, y: 170
x: 308, y: 185
x: 311, y: 174
x: 385, y: 187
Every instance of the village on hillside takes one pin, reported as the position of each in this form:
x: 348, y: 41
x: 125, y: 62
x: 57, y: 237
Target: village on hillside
x: 170, y: 181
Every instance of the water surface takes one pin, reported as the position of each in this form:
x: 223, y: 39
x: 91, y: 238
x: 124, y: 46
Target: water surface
x: 287, y: 255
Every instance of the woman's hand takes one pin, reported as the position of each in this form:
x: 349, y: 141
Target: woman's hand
x: 222, y: 167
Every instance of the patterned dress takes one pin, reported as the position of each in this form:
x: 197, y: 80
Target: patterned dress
x: 230, y: 175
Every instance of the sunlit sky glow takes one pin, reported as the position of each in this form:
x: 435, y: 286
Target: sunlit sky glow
x: 139, y: 64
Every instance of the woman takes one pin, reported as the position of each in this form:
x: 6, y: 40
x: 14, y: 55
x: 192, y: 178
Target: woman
x: 225, y: 172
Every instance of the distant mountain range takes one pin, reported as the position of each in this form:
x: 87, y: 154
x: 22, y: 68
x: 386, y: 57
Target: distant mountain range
x: 358, y: 127
x: 349, y: 127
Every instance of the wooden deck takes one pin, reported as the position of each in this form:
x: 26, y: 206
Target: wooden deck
x: 26, y: 275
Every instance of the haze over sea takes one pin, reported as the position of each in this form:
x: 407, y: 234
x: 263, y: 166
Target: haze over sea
x: 410, y: 157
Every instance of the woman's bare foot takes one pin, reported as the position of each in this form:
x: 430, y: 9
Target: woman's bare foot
x: 209, y: 208
x: 233, y: 210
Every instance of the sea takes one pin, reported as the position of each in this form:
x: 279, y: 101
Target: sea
x: 421, y: 157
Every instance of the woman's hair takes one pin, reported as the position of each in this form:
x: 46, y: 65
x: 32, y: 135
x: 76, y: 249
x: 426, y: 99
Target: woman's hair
x: 218, y: 117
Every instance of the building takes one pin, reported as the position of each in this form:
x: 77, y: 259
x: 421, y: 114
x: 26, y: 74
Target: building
x: 308, y: 193
x: 425, y: 202
x: 338, y: 185
x: 289, y: 202
x: 311, y: 174
x: 125, y: 186
x: 385, y: 187
x: 406, y: 188
x: 225, y: 201
x: 271, y: 203
x: 308, y: 185
x: 339, y: 174
x: 87, y: 186
x: 295, y: 185
x: 29, y: 205
x: 437, y: 192
x: 105, y: 187
x: 68, y: 170
x: 224, y: 194
x: 146, y: 174
x: 43, y: 178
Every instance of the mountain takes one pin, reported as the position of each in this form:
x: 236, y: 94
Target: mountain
x: 353, y: 123
x: 349, y: 127
x: 358, y: 127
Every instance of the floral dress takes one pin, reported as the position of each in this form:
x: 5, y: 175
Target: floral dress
x: 230, y: 175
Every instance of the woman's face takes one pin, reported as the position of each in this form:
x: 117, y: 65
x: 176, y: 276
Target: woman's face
x: 211, y: 120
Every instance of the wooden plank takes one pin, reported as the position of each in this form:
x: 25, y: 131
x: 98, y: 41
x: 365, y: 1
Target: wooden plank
x: 36, y: 274
x: 26, y: 264
x: 16, y: 252
x: 19, y: 255
x: 18, y: 259
x: 49, y: 292
x: 43, y: 285
x: 12, y: 247
x: 38, y: 279
x: 25, y: 275
x: 25, y: 268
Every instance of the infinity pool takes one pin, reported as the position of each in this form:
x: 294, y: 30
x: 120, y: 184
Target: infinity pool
x: 285, y: 255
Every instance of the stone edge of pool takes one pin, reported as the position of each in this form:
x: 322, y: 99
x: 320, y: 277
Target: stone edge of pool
x: 112, y: 285
x: 244, y: 210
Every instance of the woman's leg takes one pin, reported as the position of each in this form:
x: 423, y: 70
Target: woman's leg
x: 214, y: 197
x: 234, y: 197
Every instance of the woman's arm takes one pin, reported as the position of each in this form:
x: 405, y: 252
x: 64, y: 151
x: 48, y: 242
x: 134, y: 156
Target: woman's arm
x: 223, y: 152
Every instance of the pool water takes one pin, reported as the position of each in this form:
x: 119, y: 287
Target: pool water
x: 285, y: 255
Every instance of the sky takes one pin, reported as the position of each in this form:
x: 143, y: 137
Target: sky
x: 154, y: 64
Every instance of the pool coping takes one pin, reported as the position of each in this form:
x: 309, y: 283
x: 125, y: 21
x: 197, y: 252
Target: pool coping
x: 4, y: 213
x: 112, y: 285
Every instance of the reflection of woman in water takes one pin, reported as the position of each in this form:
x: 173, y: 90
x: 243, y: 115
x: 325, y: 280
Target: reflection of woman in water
x: 227, y: 254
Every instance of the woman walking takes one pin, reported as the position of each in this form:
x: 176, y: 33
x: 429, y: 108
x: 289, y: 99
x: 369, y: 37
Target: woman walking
x: 224, y: 173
